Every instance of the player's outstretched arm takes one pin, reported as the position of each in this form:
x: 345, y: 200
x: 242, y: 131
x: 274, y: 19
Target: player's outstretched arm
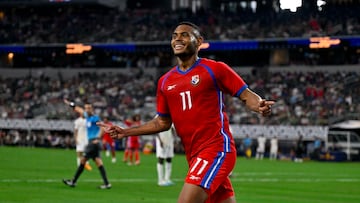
x: 76, y: 108
x: 156, y: 125
x: 255, y: 103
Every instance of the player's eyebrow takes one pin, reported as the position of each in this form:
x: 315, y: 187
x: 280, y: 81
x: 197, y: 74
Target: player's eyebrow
x: 185, y: 32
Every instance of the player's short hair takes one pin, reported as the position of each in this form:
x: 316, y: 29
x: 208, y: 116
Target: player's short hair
x: 197, y: 30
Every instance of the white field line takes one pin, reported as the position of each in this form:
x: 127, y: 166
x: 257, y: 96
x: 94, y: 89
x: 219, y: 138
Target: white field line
x: 140, y: 180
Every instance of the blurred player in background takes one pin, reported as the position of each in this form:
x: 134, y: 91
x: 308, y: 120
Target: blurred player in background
x: 165, y: 153
x: 247, y: 146
x: 108, y: 142
x: 260, y: 150
x: 190, y: 96
x: 93, y: 149
x: 274, y: 148
x: 81, y: 140
x: 133, y: 142
x: 299, y: 150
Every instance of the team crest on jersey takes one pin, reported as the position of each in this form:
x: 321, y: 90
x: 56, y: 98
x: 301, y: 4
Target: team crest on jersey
x: 195, y: 79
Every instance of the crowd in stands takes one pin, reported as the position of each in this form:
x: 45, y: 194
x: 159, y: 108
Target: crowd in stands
x: 45, y: 139
x: 86, y: 24
x: 301, y: 98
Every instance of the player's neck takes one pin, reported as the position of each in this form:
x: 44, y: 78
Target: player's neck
x: 186, y: 63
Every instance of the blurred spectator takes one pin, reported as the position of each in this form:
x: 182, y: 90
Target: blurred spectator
x: 88, y: 23
x: 303, y: 98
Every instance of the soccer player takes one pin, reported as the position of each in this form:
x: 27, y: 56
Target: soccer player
x: 133, y: 142
x: 247, y: 146
x: 191, y: 96
x: 164, y: 154
x: 81, y: 139
x: 260, y: 150
x: 274, y: 148
x: 108, y: 143
x: 299, y: 150
x: 93, y: 149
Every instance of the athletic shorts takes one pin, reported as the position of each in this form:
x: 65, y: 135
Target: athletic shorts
x: 93, y: 149
x: 211, y: 170
x: 110, y: 141
x: 133, y: 142
x: 80, y: 146
x: 166, y: 151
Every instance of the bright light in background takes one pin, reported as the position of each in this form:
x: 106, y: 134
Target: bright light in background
x: 320, y: 3
x: 292, y: 5
x: 10, y: 56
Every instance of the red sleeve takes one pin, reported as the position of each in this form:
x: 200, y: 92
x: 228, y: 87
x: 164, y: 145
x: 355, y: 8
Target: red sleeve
x: 161, y: 104
x: 228, y: 80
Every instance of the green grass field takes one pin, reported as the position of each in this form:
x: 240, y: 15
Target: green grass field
x: 35, y: 174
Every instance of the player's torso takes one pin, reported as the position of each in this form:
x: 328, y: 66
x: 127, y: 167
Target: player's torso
x: 261, y: 141
x: 80, y: 124
x: 93, y: 131
x: 274, y: 142
x: 196, y: 107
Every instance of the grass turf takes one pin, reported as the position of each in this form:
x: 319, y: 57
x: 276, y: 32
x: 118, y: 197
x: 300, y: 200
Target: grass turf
x: 35, y: 174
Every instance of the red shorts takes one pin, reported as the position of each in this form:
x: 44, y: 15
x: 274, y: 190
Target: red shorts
x: 211, y: 170
x: 108, y: 139
x: 133, y: 142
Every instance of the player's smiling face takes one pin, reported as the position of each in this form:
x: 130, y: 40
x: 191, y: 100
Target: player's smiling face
x: 184, y: 41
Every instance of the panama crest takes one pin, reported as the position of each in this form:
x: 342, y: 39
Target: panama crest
x: 195, y: 79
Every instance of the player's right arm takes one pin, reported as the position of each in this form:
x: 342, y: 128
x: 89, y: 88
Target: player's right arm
x: 76, y: 108
x: 156, y: 125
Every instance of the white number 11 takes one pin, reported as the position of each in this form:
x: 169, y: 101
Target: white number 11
x: 186, y: 100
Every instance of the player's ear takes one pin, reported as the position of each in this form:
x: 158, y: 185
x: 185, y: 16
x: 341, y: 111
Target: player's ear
x: 200, y: 40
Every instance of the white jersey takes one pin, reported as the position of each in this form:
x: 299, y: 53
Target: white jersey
x: 165, y: 149
x: 261, y: 144
x: 273, y: 145
x: 81, y: 140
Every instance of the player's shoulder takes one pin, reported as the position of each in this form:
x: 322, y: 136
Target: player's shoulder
x: 167, y: 74
x: 94, y: 117
x: 212, y: 63
x: 78, y: 120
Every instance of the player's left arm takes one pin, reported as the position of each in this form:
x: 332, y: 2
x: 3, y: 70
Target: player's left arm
x: 255, y: 103
x: 231, y: 82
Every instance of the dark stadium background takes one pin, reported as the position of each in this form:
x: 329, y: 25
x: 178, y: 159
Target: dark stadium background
x: 129, y: 40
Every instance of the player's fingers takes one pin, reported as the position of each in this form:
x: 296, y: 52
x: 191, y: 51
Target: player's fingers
x: 266, y: 103
x: 266, y: 112
x: 100, y: 124
x: 269, y: 103
x: 103, y: 125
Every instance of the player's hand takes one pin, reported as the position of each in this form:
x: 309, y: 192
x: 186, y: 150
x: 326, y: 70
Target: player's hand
x: 265, y: 107
x: 115, y: 131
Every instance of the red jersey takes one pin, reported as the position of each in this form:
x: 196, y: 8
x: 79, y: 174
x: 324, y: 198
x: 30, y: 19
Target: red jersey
x: 194, y: 100
x: 106, y: 136
x: 133, y: 142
